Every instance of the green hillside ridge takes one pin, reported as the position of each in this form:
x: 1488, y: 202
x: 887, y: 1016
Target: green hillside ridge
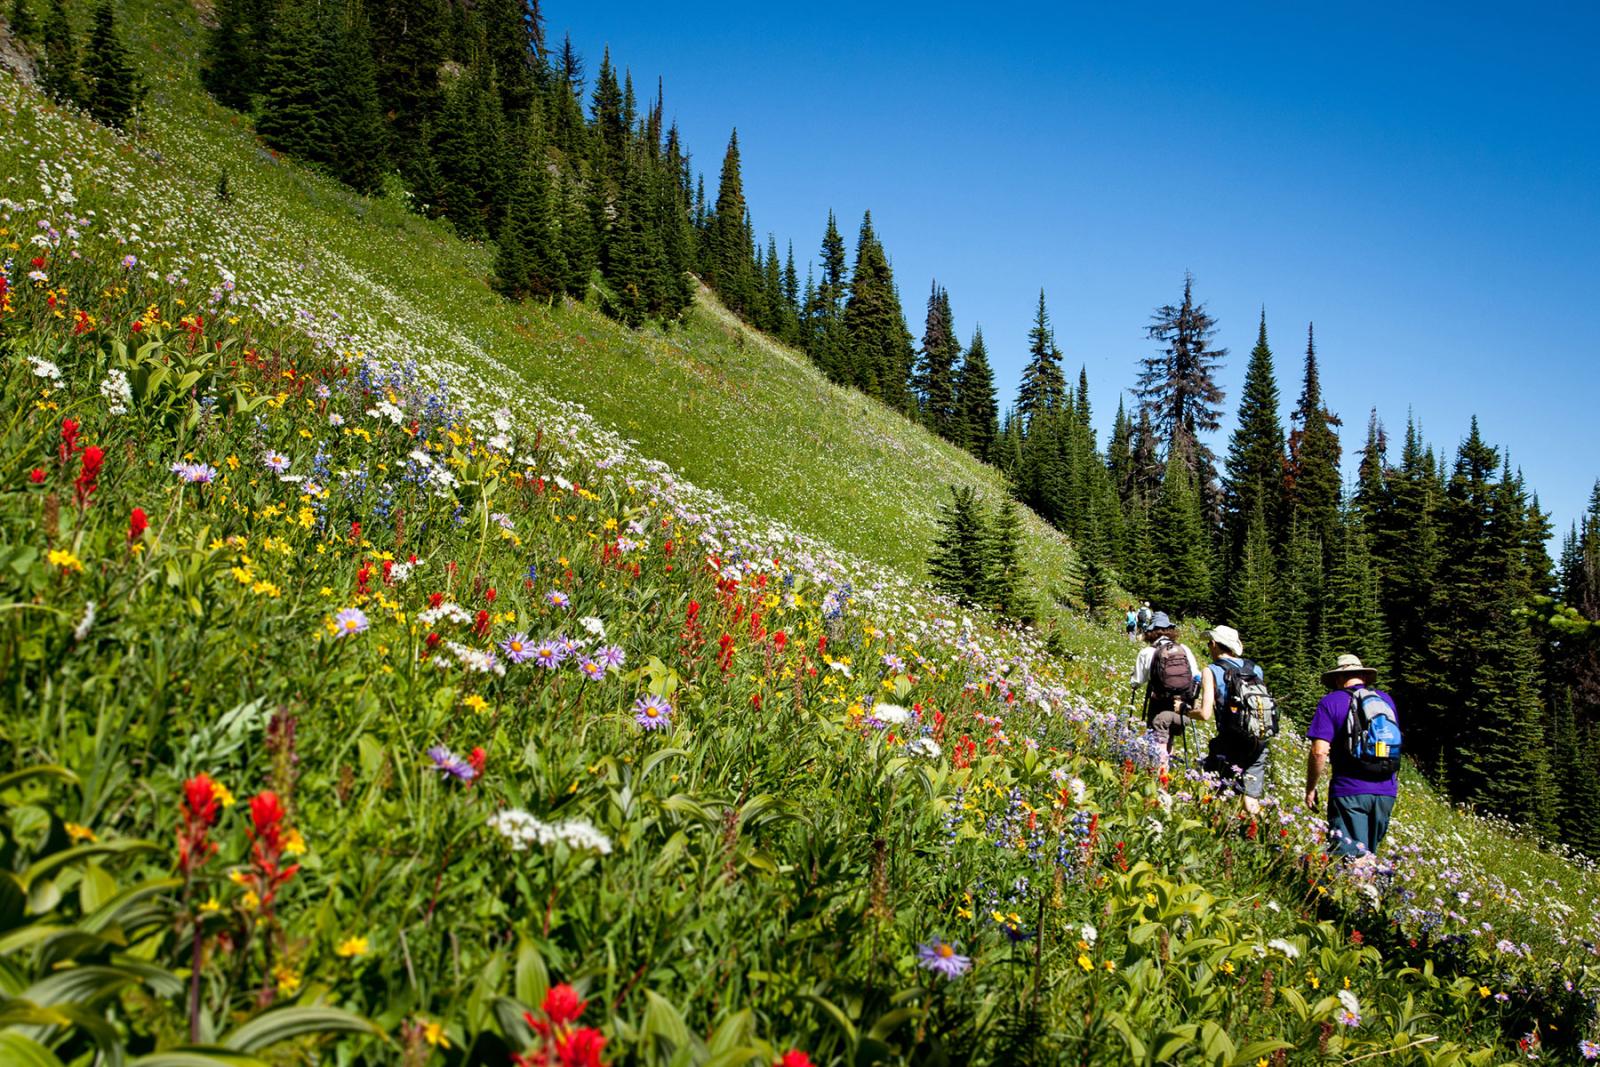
x: 773, y: 893
x: 729, y: 408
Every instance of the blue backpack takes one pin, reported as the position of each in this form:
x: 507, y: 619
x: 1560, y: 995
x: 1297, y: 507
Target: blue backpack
x: 1372, y: 736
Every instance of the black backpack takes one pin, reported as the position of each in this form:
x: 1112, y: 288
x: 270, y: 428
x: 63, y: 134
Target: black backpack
x: 1371, y: 749
x: 1170, y: 677
x: 1249, y: 716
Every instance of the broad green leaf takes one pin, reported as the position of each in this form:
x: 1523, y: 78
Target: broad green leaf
x: 283, y: 1024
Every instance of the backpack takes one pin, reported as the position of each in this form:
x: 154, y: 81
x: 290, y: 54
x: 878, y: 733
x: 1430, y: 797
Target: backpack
x: 1372, y: 737
x: 1170, y: 676
x: 1144, y: 618
x: 1251, y: 711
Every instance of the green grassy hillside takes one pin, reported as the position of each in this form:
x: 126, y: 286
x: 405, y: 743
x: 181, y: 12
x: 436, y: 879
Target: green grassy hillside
x: 536, y: 653
x: 726, y: 407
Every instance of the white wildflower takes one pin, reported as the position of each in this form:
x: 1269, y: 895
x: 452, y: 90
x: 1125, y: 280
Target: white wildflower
x: 893, y: 714
x: 1348, y: 999
x: 43, y: 368
x: 1089, y: 934
x: 594, y: 625
x: 1278, y: 944
x: 925, y: 747
x: 84, y: 624
x: 116, y: 391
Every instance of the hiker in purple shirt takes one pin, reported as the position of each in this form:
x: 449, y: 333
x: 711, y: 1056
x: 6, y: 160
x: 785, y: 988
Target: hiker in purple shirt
x: 1362, y: 791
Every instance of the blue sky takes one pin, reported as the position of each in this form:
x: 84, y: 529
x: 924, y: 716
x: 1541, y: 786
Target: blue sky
x: 1423, y: 183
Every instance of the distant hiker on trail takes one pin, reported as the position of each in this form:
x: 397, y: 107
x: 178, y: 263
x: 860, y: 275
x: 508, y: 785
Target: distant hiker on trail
x: 1168, y: 672
x: 1358, y: 725
x: 1132, y: 623
x: 1234, y: 692
x: 1144, y: 617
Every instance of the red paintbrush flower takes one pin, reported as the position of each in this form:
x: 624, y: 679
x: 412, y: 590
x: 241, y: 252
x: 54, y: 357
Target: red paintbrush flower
x: 88, y: 473
x: 138, y: 522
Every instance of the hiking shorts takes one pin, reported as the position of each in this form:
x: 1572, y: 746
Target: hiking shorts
x: 1249, y: 778
x: 1166, y: 725
x: 1356, y: 825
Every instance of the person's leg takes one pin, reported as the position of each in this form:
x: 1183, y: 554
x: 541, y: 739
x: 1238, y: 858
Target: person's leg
x: 1254, y: 781
x: 1378, y: 821
x: 1346, y: 825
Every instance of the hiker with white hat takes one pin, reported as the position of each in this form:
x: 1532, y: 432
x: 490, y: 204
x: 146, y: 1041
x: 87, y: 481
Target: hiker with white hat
x: 1168, y: 673
x: 1234, y: 692
x: 1356, y: 725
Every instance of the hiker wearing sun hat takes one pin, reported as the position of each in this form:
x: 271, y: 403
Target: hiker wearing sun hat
x: 1357, y: 726
x: 1234, y: 692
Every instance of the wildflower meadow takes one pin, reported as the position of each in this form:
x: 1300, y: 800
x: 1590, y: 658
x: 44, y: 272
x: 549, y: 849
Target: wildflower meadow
x: 371, y: 701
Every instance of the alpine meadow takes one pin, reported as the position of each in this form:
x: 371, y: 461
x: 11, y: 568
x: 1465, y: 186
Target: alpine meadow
x: 470, y: 596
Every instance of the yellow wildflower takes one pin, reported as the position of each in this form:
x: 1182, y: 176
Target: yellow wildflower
x: 1086, y: 963
x: 65, y: 560
x: 224, y: 797
x: 352, y: 946
x: 80, y: 833
x: 476, y: 703
x: 212, y: 904
x: 293, y: 843
x: 288, y: 980
x: 433, y: 1034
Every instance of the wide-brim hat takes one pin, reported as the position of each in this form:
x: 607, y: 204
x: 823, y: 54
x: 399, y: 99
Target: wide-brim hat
x: 1347, y: 668
x: 1159, y: 621
x: 1226, y: 637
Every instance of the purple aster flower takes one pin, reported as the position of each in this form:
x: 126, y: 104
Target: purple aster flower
x: 350, y: 621
x: 1349, y: 1018
x: 652, y: 712
x: 129, y: 262
x: 568, y: 646
x: 942, y: 958
x: 194, y: 473
x: 556, y: 599
x: 611, y: 656
x: 517, y: 648
x: 1588, y: 1050
x: 591, y: 669
x: 548, y: 654
x: 276, y: 462
x: 447, y: 762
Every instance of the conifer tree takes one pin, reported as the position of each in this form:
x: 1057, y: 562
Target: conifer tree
x: 1352, y: 609
x: 525, y: 263
x: 60, y: 75
x: 1044, y: 387
x: 23, y: 26
x: 110, y: 90
x: 1301, y: 646
x: 356, y: 154
x: 1406, y: 536
x: 408, y: 45
x: 1180, y: 578
x: 1253, y: 606
x: 1255, y: 464
x: 977, y: 409
x: 1315, y: 485
x: 729, y: 263
x: 879, y: 345
x: 611, y: 129
x: 1005, y: 579
x: 575, y: 236
x: 568, y: 132
x: 825, y: 341
x: 228, y: 62
x: 1177, y: 385
x: 936, y: 367
x: 294, y: 114
x: 959, y: 565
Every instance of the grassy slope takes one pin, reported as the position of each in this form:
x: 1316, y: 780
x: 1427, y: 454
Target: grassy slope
x: 728, y: 408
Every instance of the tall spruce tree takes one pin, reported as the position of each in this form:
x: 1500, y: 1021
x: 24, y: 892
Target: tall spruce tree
x: 1255, y: 464
x: 879, y: 345
x: 1352, y: 607
x: 228, y: 61
x: 1177, y: 385
x: 1044, y: 387
x: 936, y: 367
x: 977, y: 409
x: 1314, y: 481
x: 959, y: 565
x: 1253, y: 606
x: 1180, y: 566
x: 730, y: 262
x: 111, y: 91
x: 60, y: 76
x: 1005, y: 580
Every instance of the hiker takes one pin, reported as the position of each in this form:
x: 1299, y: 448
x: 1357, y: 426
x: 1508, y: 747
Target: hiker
x: 1233, y: 691
x: 1357, y: 725
x: 1144, y: 617
x: 1132, y: 623
x: 1168, y: 672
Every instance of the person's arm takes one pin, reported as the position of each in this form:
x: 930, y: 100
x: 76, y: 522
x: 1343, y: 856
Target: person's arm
x: 1208, y: 696
x: 1316, y: 763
